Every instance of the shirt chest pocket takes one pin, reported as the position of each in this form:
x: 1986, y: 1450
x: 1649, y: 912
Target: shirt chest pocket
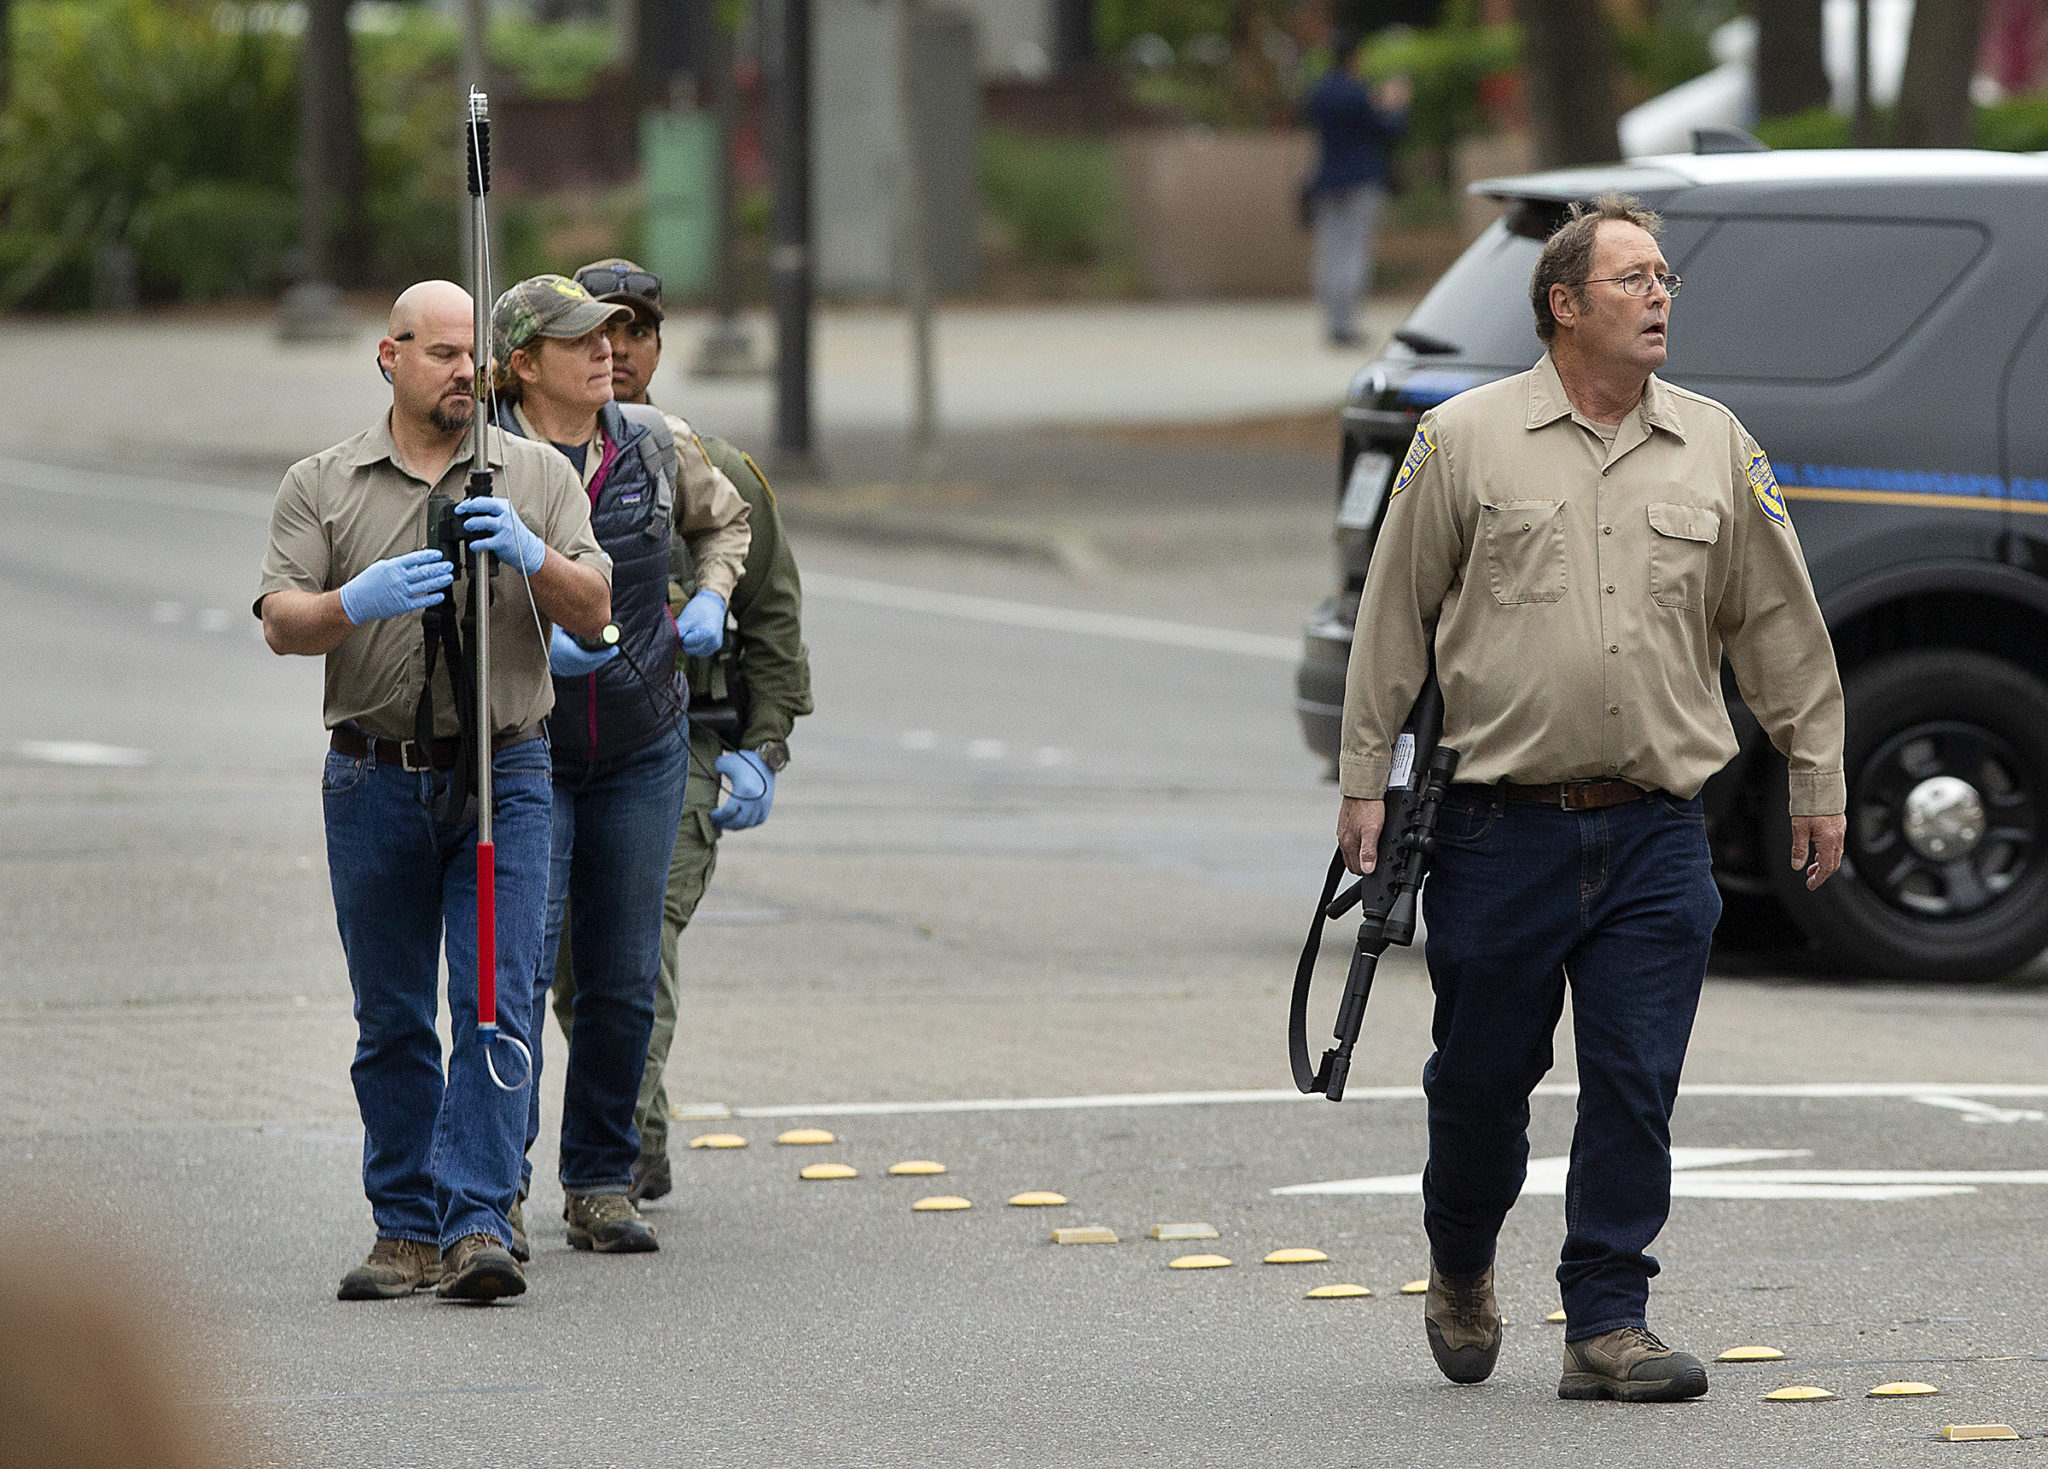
x: 1525, y: 550
x: 1681, y: 554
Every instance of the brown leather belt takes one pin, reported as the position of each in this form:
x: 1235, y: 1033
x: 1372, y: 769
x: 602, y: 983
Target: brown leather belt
x: 1576, y: 795
x: 405, y: 754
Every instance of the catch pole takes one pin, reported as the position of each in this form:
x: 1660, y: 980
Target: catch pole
x: 478, y: 148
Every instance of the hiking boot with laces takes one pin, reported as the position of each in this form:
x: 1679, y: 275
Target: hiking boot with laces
x: 652, y: 1178
x: 521, y: 1250
x: 1463, y: 1322
x: 395, y: 1268
x: 1631, y: 1366
x: 478, y: 1267
x: 608, y: 1224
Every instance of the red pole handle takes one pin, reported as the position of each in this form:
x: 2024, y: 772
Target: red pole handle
x: 486, y: 934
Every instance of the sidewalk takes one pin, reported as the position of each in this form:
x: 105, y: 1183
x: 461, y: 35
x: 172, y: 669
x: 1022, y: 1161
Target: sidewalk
x: 1020, y: 389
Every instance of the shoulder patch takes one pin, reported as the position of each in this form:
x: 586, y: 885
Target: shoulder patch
x: 1418, y: 455
x: 1764, y: 485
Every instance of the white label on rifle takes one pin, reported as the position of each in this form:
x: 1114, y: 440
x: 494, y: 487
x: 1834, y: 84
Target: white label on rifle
x: 1404, y: 762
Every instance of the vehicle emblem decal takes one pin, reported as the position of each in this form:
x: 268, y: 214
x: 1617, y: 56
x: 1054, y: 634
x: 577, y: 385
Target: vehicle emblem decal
x: 1418, y: 453
x: 1764, y: 485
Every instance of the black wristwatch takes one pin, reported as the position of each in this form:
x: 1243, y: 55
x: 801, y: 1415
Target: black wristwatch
x: 774, y: 754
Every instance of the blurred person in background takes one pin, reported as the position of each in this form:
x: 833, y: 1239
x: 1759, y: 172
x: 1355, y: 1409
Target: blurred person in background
x: 620, y: 745
x: 743, y: 703
x: 1347, y: 194
x: 86, y: 1374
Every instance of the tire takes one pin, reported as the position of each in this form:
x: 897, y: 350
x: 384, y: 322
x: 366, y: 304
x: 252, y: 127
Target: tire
x: 1901, y: 905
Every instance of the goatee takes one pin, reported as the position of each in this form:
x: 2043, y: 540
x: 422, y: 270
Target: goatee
x: 453, y: 414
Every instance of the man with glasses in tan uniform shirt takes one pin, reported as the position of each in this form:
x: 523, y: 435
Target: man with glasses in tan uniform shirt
x: 1577, y: 546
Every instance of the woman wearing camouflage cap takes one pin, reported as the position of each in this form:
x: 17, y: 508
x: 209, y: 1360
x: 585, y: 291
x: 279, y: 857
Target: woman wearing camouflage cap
x: 619, y: 737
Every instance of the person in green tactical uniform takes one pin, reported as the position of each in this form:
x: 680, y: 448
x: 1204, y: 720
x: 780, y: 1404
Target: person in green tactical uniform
x: 743, y: 703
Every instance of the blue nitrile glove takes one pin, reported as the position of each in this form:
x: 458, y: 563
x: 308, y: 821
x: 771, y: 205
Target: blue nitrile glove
x: 567, y: 658
x: 702, y: 626
x: 753, y: 790
x: 394, y: 585
x: 504, y: 534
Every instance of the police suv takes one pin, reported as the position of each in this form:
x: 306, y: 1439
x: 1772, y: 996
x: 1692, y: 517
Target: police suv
x: 1876, y: 320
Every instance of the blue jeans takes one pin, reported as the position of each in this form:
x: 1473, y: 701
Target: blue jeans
x: 1522, y: 898
x: 440, y: 1154
x: 614, y: 832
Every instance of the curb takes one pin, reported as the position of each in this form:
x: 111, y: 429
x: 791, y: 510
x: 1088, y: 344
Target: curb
x: 1068, y: 550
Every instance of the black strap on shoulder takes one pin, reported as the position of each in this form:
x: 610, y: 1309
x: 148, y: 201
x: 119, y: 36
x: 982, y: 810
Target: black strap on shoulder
x: 1304, y: 976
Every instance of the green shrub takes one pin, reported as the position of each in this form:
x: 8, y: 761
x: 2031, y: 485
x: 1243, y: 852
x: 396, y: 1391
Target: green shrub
x: 1058, y: 199
x: 203, y: 241
x: 1447, y: 63
x: 1817, y: 127
x: 2016, y: 125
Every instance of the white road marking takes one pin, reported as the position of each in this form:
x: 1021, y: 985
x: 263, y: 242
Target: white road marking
x: 81, y: 752
x: 1809, y: 1090
x: 986, y: 749
x: 1983, y: 1112
x: 1051, y: 619
x: 1855, y: 1185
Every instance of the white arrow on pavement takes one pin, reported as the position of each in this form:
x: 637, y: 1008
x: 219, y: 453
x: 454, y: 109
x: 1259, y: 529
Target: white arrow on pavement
x: 1875, y: 1185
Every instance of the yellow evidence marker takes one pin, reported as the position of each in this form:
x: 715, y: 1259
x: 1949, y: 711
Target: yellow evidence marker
x: 1337, y: 1293
x: 1797, y: 1395
x: 1556, y: 1318
x: 718, y: 1140
x: 1184, y: 1231
x: 1976, y: 1432
x: 1087, y: 1234
x: 916, y: 1168
x: 807, y: 1135
x: 1751, y: 1354
x: 1903, y: 1390
x: 1295, y: 1257
x: 1415, y: 1288
x: 1198, y: 1262
x: 939, y: 1202
x: 829, y: 1170
x: 1037, y: 1199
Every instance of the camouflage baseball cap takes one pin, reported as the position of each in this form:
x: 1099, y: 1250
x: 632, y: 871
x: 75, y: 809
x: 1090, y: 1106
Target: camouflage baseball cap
x: 546, y: 306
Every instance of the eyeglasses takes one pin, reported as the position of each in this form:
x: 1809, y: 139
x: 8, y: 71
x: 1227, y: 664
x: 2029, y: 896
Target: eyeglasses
x: 1638, y: 283
x: 606, y: 280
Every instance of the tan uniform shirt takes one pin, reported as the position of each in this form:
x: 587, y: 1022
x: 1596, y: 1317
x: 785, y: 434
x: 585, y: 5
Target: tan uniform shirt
x: 1581, y: 594
x: 355, y: 504
x: 711, y: 516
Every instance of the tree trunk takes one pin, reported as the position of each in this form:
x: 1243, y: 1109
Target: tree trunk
x: 1934, y: 93
x: 1790, y: 76
x: 334, y: 232
x: 1569, y: 64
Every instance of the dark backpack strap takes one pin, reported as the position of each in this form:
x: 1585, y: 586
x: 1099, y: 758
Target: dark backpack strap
x: 1304, y: 976
x: 455, y: 802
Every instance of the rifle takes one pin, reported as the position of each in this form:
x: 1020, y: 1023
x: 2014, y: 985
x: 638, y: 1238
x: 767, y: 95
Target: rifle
x: 1387, y: 895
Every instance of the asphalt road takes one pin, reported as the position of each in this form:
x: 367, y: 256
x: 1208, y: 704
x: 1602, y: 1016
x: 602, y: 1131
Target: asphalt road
x: 1046, y: 844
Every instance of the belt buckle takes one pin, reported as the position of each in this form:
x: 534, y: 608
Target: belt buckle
x: 407, y: 753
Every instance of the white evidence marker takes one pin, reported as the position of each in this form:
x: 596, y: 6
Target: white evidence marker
x: 986, y: 749
x: 82, y: 752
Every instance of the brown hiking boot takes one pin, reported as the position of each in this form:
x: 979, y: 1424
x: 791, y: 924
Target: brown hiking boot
x: 1463, y: 1322
x: 396, y: 1267
x: 608, y: 1224
x: 479, y: 1268
x: 521, y: 1251
x: 1631, y: 1366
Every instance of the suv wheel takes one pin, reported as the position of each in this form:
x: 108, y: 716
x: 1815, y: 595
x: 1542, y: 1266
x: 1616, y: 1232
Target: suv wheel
x: 1945, y: 875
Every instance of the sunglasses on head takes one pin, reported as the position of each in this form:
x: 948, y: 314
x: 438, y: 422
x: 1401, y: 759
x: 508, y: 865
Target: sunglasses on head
x: 606, y: 280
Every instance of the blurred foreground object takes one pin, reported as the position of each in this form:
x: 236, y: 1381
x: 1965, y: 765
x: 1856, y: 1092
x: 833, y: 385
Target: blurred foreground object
x: 84, y: 1380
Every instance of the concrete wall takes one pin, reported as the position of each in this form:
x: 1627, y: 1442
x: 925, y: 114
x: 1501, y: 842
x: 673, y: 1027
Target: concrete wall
x: 1216, y: 214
